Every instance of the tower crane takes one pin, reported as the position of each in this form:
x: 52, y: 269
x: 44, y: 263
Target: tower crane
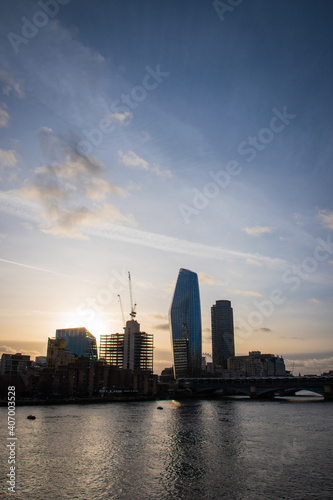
x: 133, y: 312
x: 122, y: 310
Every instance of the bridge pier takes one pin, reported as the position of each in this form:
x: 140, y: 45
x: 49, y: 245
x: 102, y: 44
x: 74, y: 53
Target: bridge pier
x: 253, y: 392
x: 328, y: 394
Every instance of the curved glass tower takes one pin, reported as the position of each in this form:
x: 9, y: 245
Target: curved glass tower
x: 185, y: 325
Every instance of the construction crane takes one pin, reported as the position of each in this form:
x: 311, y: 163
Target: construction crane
x: 122, y: 310
x: 133, y: 312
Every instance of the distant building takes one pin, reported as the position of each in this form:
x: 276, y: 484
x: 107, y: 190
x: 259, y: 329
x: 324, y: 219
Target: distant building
x: 14, y: 364
x: 131, y: 350
x: 79, y: 341
x: 167, y: 374
x: 57, y: 354
x: 111, y: 349
x: 40, y: 360
x: 138, y: 347
x: 185, y: 325
x: 222, y: 333
x: 257, y: 365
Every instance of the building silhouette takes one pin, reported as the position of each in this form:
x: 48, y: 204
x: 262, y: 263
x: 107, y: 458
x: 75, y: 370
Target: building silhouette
x: 57, y: 354
x: 111, y: 349
x: 131, y: 350
x: 257, y: 365
x: 14, y: 364
x: 185, y: 325
x: 79, y: 341
x: 223, y: 344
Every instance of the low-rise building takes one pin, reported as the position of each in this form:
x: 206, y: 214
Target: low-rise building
x: 257, y: 365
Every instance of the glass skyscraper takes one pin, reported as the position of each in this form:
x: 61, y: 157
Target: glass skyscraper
x: 222, y: 332
x: 79, y: 341
x: 185, y: 325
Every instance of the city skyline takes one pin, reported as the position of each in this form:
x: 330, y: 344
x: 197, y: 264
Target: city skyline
x: 144, y: 137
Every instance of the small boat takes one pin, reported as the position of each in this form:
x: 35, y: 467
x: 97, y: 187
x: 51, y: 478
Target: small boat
x: 160, y: 407
x: 31, y: 417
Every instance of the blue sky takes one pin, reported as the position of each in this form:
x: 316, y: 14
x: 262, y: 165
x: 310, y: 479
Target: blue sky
x: 149, y: 136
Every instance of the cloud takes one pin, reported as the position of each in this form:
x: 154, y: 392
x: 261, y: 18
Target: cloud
x: 326, y: 218
x: 9, y: 85
x: 311, y: 365
x: 131, y: 159
x: 123, y: 118
x: 27, y: 210
x: 4, y: 116
x: 257, y: 230
x: 253, y: 262
x: 293, y: 338
x: 263, y: 329
x: 313, y: 300
x: 7, y: 158
x: 250, y: 293
x: 206, y: 279
x: 70, y: 190
x: 164, y: 326
x: 158, y: 316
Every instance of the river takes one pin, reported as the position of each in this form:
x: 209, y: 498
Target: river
x: 190, y: 449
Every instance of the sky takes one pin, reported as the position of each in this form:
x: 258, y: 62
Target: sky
x: 152, y: 136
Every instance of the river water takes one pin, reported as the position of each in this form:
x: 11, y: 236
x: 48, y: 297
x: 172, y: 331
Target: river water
x: 192, y: 449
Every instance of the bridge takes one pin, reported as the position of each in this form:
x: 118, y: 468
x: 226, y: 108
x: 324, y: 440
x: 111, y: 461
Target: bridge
x: 255, y: 387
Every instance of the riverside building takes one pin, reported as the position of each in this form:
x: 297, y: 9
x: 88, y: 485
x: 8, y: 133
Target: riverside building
x: 223, y: 343
x: 185, y: 325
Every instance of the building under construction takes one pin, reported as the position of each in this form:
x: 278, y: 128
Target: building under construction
x: 133, y: 349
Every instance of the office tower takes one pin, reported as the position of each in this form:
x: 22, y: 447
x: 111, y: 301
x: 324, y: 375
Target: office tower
x: 112, y: 349
x: 222, y: 332
x: 132, y: 350
x: 79, y: 341
x: 185, y: 325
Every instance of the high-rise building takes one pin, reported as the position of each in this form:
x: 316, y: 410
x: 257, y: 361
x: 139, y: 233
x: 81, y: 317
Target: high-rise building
x: 112, y: 349
x: 132, y: 349
x: 79, y: 341
x: 222, y: 333
x: 138, y: 347
x: 185, y: 325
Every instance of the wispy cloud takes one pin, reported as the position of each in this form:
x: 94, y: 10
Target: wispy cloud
x: 253, y: 262
x: 70, y: 190
x: 10, y: 86
x: 131, y: 159
x: 123, y: 118
x: 101, y: 228
x: 257, y: 230
x: 250, y: 293
x: 313, y: 300
x: 4, y: 116
x: 7, y: 158
x: 326, y: 218
x: 206, y: 279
